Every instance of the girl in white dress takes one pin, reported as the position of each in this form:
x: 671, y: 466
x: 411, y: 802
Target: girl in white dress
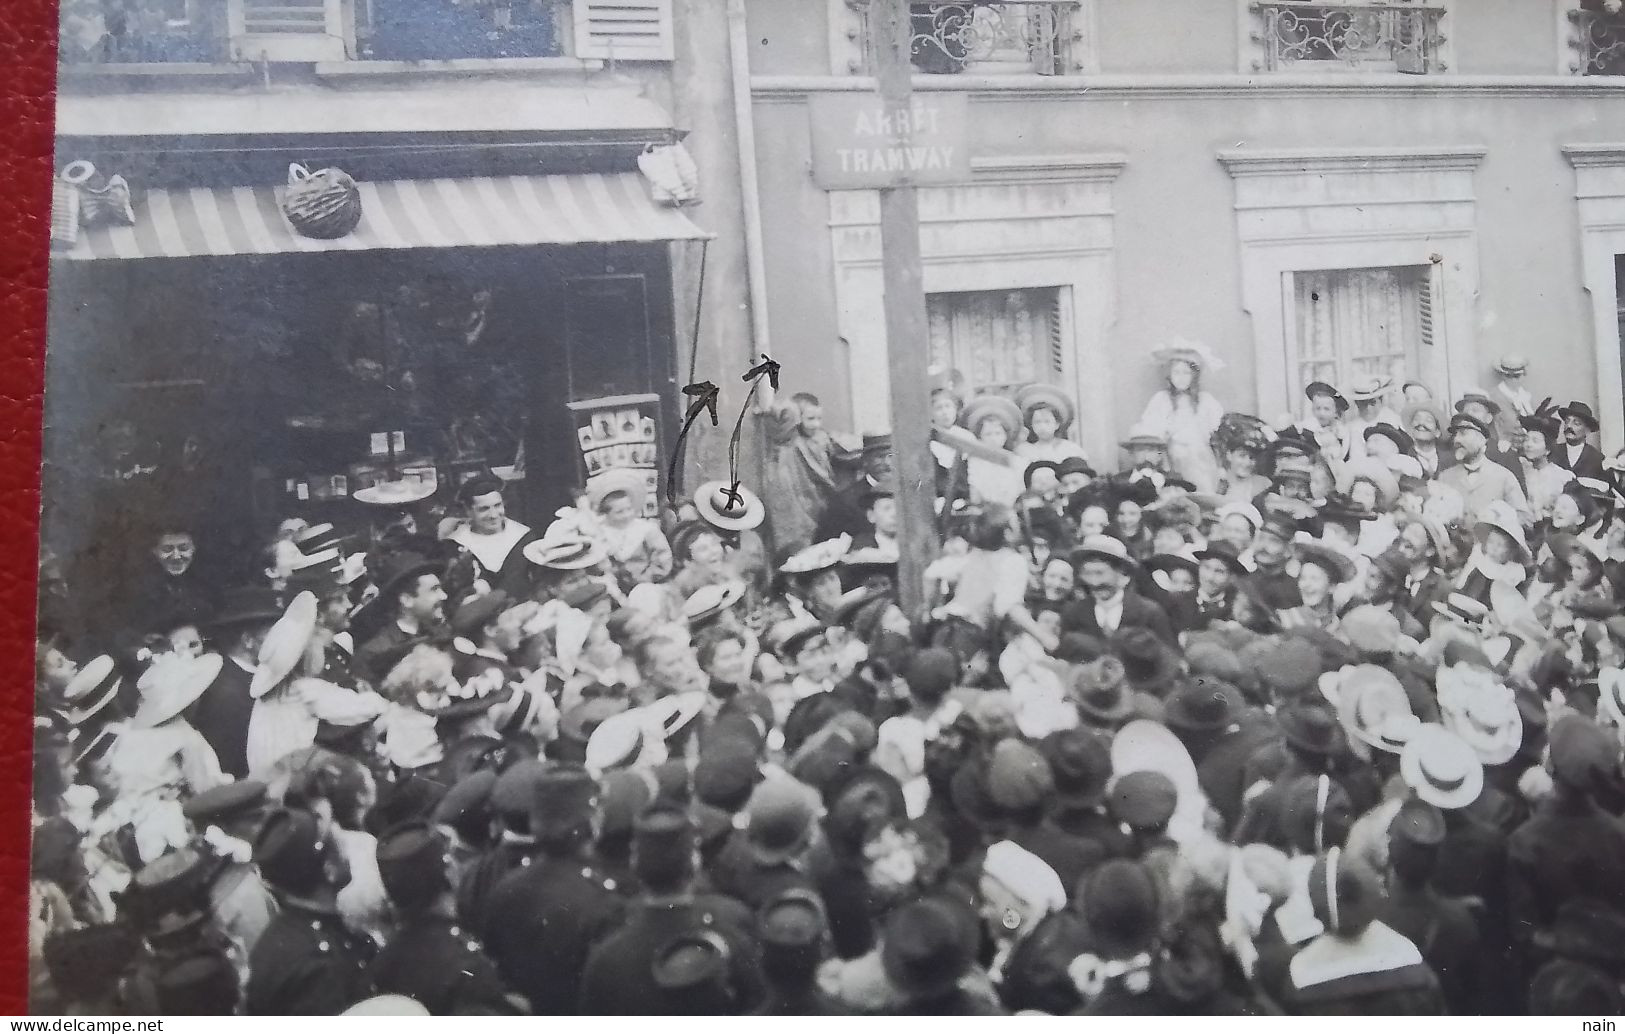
x: 1186, y: 415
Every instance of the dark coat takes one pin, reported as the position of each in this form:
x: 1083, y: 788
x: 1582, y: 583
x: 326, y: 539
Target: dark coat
x: 482, y: 880
x: 432, y: 959
x: 1070, y: 856
x: 619, y: 980
x: 1209, y: 611
x: 1092, y: 828
x: 1278, y: 589
x: 1418, y: 602
x: 541, y: 921
x: 1138, y: 612
x: 1221, y: 770
x: 1568, y: 848
x: 1589, y: 465
x: 221, y: 715
x: 845, y: 514
x: 307, y: 963
x: 1446, y: 932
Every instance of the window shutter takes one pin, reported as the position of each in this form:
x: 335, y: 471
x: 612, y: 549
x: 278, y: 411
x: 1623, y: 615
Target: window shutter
x: 1424, y: 309
x: 1057, y: 340
x: 624, y: 30
x: 288, y: 30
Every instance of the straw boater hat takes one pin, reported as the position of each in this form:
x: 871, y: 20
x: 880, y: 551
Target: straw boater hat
x: 999, y: 408
x: 820, y: 556
x: 1034, y: 395
x: 1441, y: 768
x: 1370, y: 388
x: 90, y: 690
x: 1378, y: 474
x: 397, y: 493
x: 708, y: 601
x: 171, y: 685
x: 285, y: 645
x: 1511, y: 365
x: 570, y: 553
x: 1372, y: 707
x: 619, y: 480
x: 741, y: 511
x: 1107, y: 548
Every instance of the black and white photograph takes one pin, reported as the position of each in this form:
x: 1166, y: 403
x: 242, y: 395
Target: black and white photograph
x: 833, y: 507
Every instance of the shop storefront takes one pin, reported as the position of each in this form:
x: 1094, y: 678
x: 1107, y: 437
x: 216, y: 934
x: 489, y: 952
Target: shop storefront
x: 219, y: 368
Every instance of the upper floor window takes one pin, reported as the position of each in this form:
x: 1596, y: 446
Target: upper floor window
x: 1597, y: 37
x: 212, y: 31
x: 1043, y: 37
x: 1371, y: 36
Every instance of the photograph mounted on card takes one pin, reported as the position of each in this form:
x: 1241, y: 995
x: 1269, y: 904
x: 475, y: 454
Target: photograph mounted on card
x: 630, y: 421
x: 605, y: 429
x: 584, y: 435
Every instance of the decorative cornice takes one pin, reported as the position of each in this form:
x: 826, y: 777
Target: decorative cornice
x: 1048, y: 168
x: 1375, y: 159
x: 791, y: 88
x: 1592, y: 156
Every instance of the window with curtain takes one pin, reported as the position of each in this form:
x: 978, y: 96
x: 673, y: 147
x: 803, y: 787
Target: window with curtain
x: 1354, y: 323
x: 997, y: 341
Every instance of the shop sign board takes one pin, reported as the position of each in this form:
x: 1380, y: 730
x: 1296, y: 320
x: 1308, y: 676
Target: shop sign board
x: 858, y: 142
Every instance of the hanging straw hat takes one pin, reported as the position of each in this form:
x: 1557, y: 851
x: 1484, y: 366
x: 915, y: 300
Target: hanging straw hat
x: 741, y: 511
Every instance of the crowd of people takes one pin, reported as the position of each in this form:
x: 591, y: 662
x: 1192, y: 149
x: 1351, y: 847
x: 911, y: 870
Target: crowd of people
x: 1305, y: 716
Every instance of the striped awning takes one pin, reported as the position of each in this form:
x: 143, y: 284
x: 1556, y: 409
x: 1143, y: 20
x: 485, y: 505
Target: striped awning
x: 481, y: 211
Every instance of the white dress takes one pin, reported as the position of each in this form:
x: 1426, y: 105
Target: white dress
x: 1188, y: 427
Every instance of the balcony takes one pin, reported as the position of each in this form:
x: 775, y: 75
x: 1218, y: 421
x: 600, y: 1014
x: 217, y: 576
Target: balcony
x: 1598, y: 41
x: 1042, y: 37
x: 1356, y: 37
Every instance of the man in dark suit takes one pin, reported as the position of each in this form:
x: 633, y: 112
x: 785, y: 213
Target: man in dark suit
x: 848, y: 509
x: 412, y: 590
x: 1576, y: 454
x: 1444, y: 929
x: 1106, y: 569
x: 221, y: 714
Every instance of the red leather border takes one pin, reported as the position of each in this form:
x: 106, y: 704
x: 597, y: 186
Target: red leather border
x: 27, y: 86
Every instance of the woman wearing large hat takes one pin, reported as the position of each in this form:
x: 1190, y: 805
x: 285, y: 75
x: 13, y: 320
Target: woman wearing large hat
x: 1325, y: 423
x: 1047, y: 414
x: 1183, y: 414
x: 996, y: 423
x: 159, y: 755
x: 1322, y: 567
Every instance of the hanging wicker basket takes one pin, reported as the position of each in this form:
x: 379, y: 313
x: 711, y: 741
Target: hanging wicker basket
x: 324, y: 205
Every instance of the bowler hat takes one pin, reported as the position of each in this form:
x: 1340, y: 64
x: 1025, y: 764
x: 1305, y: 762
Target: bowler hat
x: 1311, y: 728
x: 1320, y: 389
x: 245, y: 605
x: 663, y: 841
x: 694, y: 961
x: 1081, y: 763
x: 466, y: 808
x: 1149, y: 662
x: 1101, y: 691
x: 1418, y: 823
x: 1581, y: 753
x: 1479, y: 397
x: 1203, y: 704
x: 793, y: 919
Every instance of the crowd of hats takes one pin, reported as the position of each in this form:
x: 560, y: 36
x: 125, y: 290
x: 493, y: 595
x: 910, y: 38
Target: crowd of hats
x: 904, y: 813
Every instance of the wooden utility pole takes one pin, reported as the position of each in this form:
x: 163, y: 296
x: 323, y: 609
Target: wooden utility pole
x: 890, y: 33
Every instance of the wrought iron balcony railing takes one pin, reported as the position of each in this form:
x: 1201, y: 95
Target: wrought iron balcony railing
x: 1598, y: 42
x: 994, y: 36
x: 1370, y: 37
